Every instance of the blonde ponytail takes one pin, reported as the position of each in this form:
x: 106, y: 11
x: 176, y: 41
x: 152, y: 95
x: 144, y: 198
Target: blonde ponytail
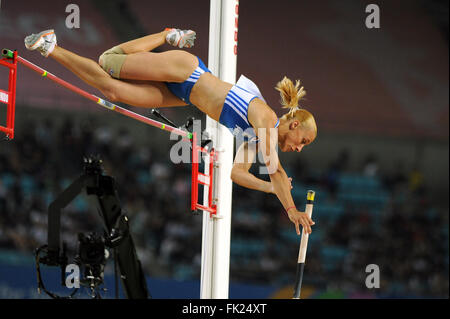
x: 290, y: 94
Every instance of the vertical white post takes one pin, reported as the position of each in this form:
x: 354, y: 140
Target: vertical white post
x: 214, y: 282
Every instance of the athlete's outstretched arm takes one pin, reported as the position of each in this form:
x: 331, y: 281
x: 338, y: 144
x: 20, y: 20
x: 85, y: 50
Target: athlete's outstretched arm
x: 245, y: 157
x: 240, y: 174
x: 280, y: 181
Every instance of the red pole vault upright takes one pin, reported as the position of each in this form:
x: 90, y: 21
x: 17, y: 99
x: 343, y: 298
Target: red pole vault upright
x: 10, y: 59
x: 9, y: 97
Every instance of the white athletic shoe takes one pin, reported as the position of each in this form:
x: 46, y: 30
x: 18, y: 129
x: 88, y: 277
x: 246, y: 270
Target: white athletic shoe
x: 44, y: 42
x: 180, y: 38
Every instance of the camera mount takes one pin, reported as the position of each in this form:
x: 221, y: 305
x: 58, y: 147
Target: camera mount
x: 92, y: 247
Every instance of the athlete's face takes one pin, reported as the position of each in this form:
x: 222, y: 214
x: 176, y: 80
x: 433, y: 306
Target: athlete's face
x: 296, y: 138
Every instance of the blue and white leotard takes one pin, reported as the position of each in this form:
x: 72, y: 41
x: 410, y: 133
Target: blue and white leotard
x: 235, y: 109
x: 183, y: 90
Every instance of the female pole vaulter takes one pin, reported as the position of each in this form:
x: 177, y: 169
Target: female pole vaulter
x: 129, y: 73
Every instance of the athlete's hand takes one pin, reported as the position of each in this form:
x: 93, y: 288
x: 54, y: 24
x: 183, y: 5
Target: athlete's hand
x: 300, y: 218
x: 272, y: 190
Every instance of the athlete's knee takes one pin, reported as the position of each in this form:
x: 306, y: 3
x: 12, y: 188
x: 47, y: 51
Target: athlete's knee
x: 100, y: 60
x: 112, y: 60
x: 110, y: 96
x: 111, y: 93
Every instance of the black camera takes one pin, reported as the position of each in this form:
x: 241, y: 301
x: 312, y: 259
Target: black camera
x: 92, y: 256
x: 91, y: 249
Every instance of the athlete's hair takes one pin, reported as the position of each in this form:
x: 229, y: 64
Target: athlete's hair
x: 290, y: 96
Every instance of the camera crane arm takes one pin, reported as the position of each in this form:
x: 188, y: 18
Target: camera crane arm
x: 115, y: 223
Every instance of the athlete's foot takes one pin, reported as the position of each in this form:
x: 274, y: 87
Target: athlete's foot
x: 44, y: 42
x: 180, y: 38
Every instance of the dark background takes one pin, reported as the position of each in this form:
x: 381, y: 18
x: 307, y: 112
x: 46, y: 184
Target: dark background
x: 379, y: 165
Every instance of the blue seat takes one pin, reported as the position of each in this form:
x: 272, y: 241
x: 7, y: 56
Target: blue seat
x: 333, y: 256
x: 246, y: 247
x: 183, y: 272
x: 316, y: 237
x: 143, y: 177
x: 237, y: 247
x: 80, y: 204
x: 351, y: 181
x: 364, y: 197
x: 299, y: 192
x: 327, y: 212
x: 8, y: 180
x: 289, y: 235
x: 28, y: 184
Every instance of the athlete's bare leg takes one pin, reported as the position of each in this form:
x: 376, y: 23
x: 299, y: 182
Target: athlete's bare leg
x: 169, y: 66
x: 140, y: 64
x: 86, y: 69
x: 136, y: 93
x: 144, y: 44
x: 159, y: 67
